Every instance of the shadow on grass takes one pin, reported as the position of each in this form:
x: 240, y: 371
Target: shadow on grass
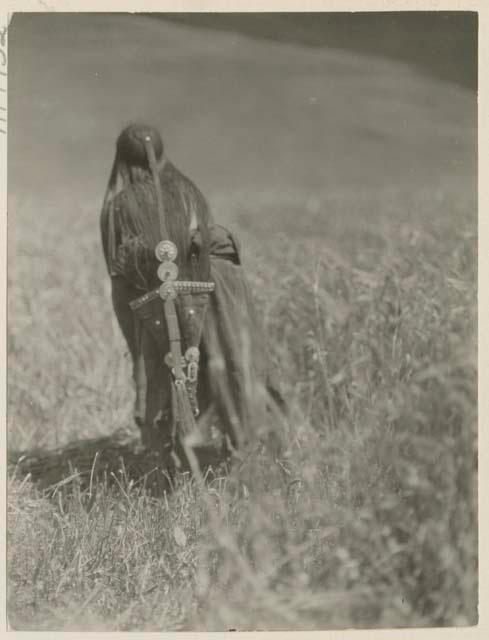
x: 111, y: 459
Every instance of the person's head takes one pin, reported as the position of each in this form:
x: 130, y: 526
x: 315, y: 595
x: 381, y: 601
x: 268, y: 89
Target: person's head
x: 131, y: 148
x: 183, y: 211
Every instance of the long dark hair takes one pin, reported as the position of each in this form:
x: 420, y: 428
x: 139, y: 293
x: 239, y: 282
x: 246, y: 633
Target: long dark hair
x: 131, y: 217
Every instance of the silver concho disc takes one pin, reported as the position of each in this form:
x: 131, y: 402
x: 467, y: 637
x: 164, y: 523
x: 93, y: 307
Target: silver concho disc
x: 192, y: 354
x: 166, y: 250
x: 167, y: 271
x: 167, y: 290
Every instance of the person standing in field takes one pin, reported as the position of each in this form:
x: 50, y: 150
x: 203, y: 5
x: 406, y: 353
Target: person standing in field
x: 234, y: 386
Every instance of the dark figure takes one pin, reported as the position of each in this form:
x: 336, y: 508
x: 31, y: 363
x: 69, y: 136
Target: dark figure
x: 234, y: 388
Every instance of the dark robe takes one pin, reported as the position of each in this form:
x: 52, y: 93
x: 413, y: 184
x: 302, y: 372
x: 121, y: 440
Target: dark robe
x: 235, y: 384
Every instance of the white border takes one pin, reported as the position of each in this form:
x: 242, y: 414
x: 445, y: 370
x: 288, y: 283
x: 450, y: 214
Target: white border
x: 482, y: 630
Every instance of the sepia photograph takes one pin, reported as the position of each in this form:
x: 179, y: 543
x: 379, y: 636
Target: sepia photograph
x: 242, y: 320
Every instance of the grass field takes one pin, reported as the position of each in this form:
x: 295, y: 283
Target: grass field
x: 352, y: 183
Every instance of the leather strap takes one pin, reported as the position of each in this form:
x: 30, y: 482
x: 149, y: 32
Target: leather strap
x: 182, y: 405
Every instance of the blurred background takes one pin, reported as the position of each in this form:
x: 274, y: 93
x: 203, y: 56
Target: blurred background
x: 252, y: 107
x: 440, y: 43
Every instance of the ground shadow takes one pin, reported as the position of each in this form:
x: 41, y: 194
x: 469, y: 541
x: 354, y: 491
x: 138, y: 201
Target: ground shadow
x: 85, y: 463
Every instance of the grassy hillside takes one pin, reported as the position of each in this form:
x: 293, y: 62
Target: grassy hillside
x: 352, y: 183
x: 438, y: 43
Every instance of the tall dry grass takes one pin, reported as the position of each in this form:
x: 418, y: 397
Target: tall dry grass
x: 370, y: 516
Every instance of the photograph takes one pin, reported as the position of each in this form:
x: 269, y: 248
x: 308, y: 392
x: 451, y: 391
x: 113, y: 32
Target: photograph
x: 242, y: 320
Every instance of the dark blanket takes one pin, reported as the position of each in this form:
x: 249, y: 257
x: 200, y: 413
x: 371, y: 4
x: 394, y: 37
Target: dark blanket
x: 235, y: 386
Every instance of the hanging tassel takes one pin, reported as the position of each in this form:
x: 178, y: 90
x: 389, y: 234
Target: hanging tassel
x: 185, y: 416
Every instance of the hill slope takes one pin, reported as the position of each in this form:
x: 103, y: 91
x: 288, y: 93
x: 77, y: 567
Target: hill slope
x: 237, y: 114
